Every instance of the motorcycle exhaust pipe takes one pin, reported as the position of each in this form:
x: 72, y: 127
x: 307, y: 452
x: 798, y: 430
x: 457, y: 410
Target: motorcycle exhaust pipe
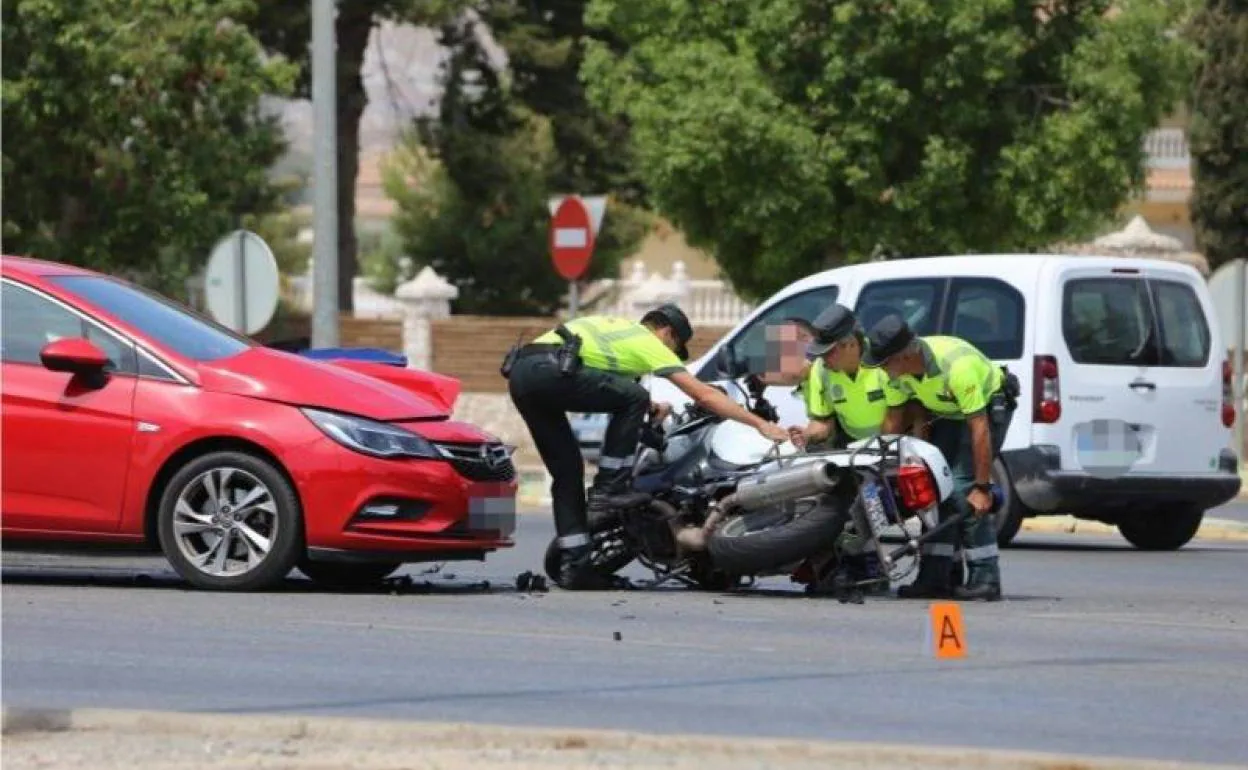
x: 784, y: 485
x: 772, y: 488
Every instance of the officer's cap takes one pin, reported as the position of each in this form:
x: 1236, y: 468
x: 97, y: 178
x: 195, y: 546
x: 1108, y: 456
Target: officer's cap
x: 681, y: 328
x: 886, y: 339
x: 830, y: 327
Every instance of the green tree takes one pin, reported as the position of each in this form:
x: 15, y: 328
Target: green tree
x: 786, y: 136
x: 285, y: 26
x: 472, y: 187
x: 1218, y: 133
x: 134, y: 133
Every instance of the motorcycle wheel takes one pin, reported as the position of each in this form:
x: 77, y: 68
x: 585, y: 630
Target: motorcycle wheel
x: 762, y: 542
x: 603, y: 527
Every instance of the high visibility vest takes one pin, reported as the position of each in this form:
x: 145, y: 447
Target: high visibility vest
x: 957, y: 382
x: 619, y: 345
x: 859, y: 403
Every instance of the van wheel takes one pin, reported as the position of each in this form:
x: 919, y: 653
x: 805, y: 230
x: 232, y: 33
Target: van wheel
x: 1161, y: 530
x: 1009, y: 519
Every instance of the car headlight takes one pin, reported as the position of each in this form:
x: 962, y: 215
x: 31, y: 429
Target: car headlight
x: 371, y: 437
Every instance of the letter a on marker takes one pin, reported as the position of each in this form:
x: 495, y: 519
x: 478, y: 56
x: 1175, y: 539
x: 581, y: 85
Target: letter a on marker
x: 948, y: 633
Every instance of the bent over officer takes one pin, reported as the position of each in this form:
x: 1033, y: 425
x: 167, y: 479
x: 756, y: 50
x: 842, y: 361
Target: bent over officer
x: 972, y: 402
x: 845, y: 402
x: 593, y: 364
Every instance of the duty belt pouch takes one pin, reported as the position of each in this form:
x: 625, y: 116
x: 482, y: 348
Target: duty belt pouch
x: 509, y: 360
x: 568, y: 355
x: 1010, y: 388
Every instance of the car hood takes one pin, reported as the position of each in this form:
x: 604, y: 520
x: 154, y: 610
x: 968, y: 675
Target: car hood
x: 375, y: 391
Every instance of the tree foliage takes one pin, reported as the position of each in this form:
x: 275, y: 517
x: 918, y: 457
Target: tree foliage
x: 472, y: 184
x: 1218, y: 133
x: 787, y: 136
x: 285, y: 27
x: 133, y: 131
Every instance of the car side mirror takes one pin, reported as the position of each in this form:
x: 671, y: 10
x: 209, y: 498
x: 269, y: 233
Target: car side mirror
x: 76, y: 355
x: 728, y: 364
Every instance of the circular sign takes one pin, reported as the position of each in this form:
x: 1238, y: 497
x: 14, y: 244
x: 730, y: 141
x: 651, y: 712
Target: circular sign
x: 571, y: 238
x: 241, y: 282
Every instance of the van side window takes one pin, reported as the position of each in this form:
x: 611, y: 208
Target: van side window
x: 750, y: 344
x: 917, y: 301
x: 1106, y: 321
x: 987, y: 313
x: 1184, y: 331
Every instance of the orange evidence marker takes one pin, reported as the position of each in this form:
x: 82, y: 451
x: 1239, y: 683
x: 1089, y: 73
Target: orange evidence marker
x: 948, y: 633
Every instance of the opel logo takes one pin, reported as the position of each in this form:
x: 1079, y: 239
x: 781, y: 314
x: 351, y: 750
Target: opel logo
x: 493, y: 456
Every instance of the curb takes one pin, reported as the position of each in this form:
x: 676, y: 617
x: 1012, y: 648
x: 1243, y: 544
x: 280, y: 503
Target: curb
x: 1210, y: 529
x: 373, y: 736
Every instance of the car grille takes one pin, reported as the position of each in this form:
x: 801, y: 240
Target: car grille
x: 473, y: 464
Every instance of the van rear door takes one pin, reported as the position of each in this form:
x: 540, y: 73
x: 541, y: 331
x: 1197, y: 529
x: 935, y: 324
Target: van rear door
x: 1139, y: 392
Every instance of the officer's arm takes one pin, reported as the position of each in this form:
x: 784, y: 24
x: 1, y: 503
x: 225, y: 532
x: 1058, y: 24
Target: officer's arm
x: 981, y: 447
x: 896, y: 397
x: 715, y: 401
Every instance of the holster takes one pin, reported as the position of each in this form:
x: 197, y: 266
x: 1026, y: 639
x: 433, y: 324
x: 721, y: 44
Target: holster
x: 1010, y: 388
x: 509, y: 360
x: 568, y: 355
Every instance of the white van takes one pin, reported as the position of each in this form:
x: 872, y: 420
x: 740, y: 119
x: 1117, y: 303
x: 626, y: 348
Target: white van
x: 1102, y: 346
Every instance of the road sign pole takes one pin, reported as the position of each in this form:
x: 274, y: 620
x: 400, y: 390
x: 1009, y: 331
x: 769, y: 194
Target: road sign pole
x: 573, y: 298
x: 325, y: 213
x: 240, y: 296
x: 1238, y: 385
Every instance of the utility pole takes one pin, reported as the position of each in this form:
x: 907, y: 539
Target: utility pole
x: 325, y: 182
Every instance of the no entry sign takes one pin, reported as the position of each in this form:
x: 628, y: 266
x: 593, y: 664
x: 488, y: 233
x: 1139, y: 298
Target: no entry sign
x: 572, y: 233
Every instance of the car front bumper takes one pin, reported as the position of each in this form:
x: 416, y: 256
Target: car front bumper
x: 1042, y: 486
x: 362, y: 508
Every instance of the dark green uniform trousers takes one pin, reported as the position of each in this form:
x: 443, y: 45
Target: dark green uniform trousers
x: 976, y: 537
x: 544, y: 396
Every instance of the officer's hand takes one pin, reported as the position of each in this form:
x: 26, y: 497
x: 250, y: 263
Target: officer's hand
x: 774, y: 432
x: 980, y: 501
x: 798, y: 437
x: 659, y: 410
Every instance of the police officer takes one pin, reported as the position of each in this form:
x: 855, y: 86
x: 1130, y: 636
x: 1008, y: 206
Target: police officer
x: 593, y: 364
x: 971, y: 401
x: 845, y: 402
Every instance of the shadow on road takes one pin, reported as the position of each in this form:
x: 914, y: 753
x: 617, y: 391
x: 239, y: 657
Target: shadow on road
x: 413, y: 584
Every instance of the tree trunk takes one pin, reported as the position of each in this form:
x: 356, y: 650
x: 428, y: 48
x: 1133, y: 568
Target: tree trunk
x: 353, y: 30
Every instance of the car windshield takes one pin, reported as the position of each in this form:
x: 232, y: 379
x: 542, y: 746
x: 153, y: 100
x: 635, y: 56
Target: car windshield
x: 160, y: 320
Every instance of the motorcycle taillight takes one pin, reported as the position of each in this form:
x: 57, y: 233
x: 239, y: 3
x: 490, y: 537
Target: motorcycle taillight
x: 916, y: 487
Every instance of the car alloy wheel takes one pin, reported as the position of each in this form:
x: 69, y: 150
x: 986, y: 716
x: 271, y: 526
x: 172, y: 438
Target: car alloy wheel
x: 225, y: 521
x: 230, y: 520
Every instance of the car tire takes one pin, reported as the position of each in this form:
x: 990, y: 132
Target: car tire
x: 339, y: 576
x: 1161, y: 530
x: 196, y: 514
x: 1009, y: 519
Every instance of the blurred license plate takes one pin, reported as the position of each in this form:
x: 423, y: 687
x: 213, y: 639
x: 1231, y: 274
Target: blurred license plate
x: 492, y: 507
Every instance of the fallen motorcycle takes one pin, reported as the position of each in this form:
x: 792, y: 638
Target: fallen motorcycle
x: 715, y: 504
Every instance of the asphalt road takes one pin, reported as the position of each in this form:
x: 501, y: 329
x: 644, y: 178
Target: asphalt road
x: 1237, y: 511
x: 1098, y: 649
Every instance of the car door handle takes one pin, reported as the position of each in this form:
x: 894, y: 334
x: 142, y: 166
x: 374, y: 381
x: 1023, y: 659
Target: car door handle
x: 1143, y: 384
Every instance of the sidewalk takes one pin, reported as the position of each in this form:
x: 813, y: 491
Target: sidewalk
x: 125, y: 740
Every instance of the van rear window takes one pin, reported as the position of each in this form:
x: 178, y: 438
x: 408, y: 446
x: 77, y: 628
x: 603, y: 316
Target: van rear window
x: 1110, y: 322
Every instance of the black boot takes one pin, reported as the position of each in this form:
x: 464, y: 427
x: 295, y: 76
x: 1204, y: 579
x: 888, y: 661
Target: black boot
x: 868, y: 571
x: 577, y: 573
x: 983, y: 584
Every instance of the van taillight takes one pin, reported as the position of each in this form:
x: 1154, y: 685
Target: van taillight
x: 1046, y: 396
x: 916, y: 487
x: 1228, y: 394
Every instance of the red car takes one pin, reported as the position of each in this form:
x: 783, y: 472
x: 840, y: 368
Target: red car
x: 130, y: 420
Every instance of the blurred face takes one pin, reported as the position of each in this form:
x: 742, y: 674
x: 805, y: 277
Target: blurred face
x: 668, y: 336
x: 786, y: 348
x: 844, y: 356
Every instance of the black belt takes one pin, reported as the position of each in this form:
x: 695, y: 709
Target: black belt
x: 537, y: 349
